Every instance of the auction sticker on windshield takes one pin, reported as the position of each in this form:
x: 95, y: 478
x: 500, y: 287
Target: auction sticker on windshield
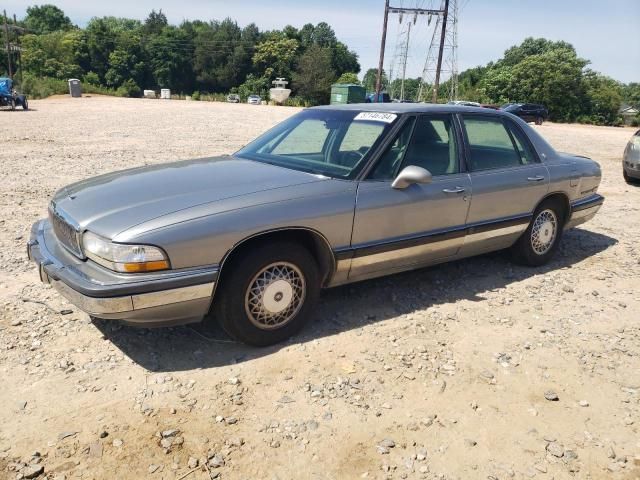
x: 376, y: 116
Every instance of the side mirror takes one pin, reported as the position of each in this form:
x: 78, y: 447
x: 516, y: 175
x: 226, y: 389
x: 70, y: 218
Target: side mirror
x: 410, y: 175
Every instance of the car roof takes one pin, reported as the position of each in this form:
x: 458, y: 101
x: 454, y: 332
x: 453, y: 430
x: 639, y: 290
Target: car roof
x: 403, y: 108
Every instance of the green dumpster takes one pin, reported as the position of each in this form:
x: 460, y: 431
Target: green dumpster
x: 347, y: 93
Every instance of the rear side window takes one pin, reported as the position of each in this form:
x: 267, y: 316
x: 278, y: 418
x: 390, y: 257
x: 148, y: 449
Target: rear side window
x: 490, y: 144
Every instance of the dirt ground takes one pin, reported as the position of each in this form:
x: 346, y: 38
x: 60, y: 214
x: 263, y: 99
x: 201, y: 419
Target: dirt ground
x: 434, y: 374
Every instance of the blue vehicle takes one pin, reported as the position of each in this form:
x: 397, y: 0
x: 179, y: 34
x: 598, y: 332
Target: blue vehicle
x: 383, y: 97
x: 9, y: 97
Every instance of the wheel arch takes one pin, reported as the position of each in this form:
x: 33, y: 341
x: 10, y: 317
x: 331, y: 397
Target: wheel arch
x: 561, y: 197
x: 317, y: 244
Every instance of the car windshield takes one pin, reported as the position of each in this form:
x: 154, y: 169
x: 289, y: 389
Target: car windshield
x: 333, y: 143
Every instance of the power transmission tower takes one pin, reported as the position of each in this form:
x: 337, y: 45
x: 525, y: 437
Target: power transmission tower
x: 447, y: 62
x: 6, y: 43
x: 405, y: 55
x: 400, y: 10
x: 398, y: 67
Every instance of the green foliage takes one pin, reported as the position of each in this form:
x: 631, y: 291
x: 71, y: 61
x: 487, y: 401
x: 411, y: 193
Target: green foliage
x: 369, y: 80
x: 46, y: 19
x: 92, y: 78
x: 348, y: 78
x: 275, y: 56
x: 631, y: 94
x: 550, y: 73
x: 254, y: 86
x: 314, y: 75
x: 195, y: 96
x: 42, y: 87
x: 129, y: 88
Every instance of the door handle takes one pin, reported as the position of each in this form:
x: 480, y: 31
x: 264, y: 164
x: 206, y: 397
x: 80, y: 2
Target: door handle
x: 537, y: 178
x: 453, y: 190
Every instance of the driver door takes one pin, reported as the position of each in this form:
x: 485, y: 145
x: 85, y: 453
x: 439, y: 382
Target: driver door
x: 400, y: 229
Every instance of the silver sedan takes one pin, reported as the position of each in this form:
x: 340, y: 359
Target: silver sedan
x: 631, y: 159
x: 330, y: 196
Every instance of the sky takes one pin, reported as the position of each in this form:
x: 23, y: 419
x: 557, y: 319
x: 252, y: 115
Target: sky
x: 605, y: 32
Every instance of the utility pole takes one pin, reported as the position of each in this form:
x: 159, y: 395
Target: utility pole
x: 15, y: 24
x: 6, y: 44
x: 382, y: 47
x: 436, y: 85
x: 404, y: 62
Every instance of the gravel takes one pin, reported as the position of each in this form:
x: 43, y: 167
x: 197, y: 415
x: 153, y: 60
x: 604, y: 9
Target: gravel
x: 453, y: 360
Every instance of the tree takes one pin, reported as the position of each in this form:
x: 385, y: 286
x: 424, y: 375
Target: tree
x: 348, y: 78
x: 344, y: 60
x: 369, y: 80
x: 155, y: 22
x: 46, y: 19
x: 604, y: 97
x: 539, y: 71
x: 275, y: 57
x: 169, y: 66
x: 314, y: 75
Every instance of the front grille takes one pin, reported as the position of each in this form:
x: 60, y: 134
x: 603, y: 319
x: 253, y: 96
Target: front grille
x: 65, y: 233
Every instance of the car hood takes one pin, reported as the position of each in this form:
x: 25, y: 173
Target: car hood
x: 111, y: 203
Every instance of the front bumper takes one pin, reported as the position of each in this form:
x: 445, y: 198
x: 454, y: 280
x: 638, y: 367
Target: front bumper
x: 584, y: 210
x: 149, y: 299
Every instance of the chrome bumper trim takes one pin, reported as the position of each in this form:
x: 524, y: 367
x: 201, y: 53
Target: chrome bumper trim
x: 129, y: 303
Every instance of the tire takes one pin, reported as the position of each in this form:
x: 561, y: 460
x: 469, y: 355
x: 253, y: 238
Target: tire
x: 12, y: 102
x: 539, y: 120
x: 539, y: 242
x: 268, y: 294
x: 628, y: 179
x: 25, y: 104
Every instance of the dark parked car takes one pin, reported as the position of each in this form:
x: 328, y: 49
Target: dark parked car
x: 529, y: 112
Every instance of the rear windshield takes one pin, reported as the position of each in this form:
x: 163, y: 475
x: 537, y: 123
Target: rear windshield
x: 333, y: 143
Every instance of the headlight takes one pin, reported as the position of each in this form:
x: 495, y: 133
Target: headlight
x: 124, y: 258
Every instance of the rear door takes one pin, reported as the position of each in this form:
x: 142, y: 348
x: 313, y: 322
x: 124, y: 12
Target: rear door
x: 507, y: 178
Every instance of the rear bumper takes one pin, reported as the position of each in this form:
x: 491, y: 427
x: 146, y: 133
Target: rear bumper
x: 164, y: 298
x: 632, y: 172
x: 584, y: 210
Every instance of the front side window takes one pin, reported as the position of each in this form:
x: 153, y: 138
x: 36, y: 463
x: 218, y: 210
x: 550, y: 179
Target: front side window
x: 490, y: 144
x: 328, y: 142
x: 429, y: 143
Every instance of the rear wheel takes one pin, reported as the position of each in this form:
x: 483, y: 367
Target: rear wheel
x: 268, y: 294
x: 539, y: 120
x: 12, y: 103
x: 539, y: 242
x: 25, y: 104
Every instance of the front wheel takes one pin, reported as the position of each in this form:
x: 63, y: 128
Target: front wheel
x: 540, y: 240
x: 268, y: 294
x: 539, y: 120
x: 12, y: 103
x: 25, y: 104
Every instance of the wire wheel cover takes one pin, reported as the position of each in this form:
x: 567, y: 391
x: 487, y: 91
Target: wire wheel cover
x: 544, y: 232
x: 275, y: 295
